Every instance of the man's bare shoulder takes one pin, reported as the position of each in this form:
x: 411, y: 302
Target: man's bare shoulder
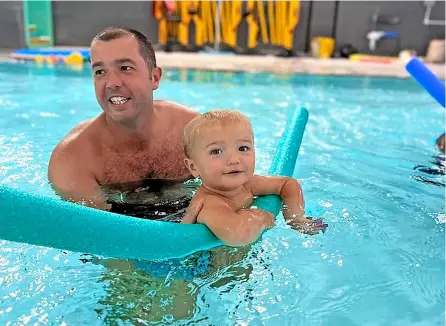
x: 77, y: 142
x: 74, y: 164
x: 179, y: 112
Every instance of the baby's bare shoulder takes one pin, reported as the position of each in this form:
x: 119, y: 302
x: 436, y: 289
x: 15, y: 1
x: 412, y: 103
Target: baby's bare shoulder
x: 209, y: 199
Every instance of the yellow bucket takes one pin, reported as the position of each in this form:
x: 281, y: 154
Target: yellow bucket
x: 322, y: 47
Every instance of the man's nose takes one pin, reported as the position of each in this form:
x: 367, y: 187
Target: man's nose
x: 113, y: 80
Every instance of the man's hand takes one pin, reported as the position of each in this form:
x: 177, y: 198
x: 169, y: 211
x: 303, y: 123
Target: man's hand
x: 308, y: 225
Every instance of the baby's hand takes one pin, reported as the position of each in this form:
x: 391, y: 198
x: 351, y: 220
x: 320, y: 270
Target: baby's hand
x: 307, y: 225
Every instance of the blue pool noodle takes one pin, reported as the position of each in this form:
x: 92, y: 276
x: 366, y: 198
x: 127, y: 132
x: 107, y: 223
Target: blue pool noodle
x: 285, y: 158
x: 427, y: 79
x: 45, y: 221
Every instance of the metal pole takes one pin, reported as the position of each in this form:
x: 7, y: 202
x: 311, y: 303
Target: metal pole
x: 217, y: 27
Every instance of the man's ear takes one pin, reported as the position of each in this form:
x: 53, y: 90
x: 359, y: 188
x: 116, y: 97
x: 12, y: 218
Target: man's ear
x: 156, y: 77
x: 191, y: 167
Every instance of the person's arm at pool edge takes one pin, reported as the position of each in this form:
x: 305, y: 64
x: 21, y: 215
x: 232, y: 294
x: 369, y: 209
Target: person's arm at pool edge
x: 72, y: 179
x: 441, y: 143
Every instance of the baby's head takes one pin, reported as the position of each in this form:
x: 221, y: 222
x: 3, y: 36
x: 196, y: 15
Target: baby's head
x: 219, y: 148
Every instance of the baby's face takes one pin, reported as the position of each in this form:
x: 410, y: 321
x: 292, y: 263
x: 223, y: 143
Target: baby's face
x: 224, y: 156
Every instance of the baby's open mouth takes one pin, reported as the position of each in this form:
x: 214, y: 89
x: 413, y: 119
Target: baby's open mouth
x: 117, y: 100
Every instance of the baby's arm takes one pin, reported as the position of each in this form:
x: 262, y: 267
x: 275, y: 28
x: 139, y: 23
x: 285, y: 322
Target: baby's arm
x: 233, y: 228
x: 194, y: 208
x: 290, y: 191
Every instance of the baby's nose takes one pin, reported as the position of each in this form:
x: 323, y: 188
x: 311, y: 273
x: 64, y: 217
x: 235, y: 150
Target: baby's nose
x: 234, y: 158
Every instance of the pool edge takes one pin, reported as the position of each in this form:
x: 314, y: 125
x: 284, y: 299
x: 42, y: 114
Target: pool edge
x: 277, y: 65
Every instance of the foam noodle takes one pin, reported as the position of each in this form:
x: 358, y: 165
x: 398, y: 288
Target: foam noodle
x: 427, y: 79
x: 44, y: 221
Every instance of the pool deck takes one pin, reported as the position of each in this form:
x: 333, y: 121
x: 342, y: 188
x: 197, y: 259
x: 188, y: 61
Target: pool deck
x: 273, y: 64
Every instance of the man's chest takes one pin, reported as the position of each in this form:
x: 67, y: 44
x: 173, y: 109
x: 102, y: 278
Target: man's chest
x: 164, y: 162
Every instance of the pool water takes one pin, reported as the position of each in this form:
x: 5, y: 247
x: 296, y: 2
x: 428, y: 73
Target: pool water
x: 368, y: 166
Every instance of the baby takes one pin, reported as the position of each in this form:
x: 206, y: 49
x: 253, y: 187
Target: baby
x: 219, y: 148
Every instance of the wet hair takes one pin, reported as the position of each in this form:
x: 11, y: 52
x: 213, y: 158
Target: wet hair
x: 116, y: 32
x: 194, y: 128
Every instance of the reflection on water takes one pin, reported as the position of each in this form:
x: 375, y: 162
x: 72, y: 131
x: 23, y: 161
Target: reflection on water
x: 169, y: 212
x: 138, y: 293
x: 433, y: 174
x: 151, y: 198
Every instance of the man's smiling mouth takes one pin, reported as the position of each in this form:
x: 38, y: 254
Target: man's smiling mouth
x: 117, y: 100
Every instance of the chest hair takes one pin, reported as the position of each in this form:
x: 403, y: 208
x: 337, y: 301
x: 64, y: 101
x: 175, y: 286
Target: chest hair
x: 139, y: 162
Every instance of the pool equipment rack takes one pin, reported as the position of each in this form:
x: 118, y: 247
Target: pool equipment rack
x: 38, y: 24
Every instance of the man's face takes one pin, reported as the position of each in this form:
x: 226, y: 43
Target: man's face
x: 123, y: 81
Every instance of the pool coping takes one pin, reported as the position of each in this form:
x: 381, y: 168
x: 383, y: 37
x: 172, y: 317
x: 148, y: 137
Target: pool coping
x: 293, y: 65
x: 278, y: 65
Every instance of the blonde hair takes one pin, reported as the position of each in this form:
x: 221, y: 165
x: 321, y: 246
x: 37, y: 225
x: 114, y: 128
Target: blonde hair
x: 194, y: 128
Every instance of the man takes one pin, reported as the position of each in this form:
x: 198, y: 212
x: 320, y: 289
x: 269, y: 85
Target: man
x: 121, y: 155
x: 130, y: 158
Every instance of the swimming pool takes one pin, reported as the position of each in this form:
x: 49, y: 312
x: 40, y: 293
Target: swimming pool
x: 368, y: 166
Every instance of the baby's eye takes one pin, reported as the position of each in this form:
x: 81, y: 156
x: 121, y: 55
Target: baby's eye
x: 215, y: 151
x: 243, y: 148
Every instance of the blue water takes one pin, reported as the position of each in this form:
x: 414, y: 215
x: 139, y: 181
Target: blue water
x: 368, y: 166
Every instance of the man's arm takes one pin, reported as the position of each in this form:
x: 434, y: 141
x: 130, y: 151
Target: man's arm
x: 73, y: 181
x: 234, y: 228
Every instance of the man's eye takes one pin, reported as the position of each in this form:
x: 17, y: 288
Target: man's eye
x: 99, y: 72
x: 215, y: 151
x: 126, y: 68
x: 243, y: 148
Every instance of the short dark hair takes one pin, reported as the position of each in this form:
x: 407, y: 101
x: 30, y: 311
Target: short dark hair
x: 145, y: 47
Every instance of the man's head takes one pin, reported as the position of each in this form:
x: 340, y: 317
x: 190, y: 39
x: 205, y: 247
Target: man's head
x: 219, y: 148
x: 125, y: 73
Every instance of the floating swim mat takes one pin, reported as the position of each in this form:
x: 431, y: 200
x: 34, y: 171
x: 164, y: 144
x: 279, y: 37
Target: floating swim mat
x: 58, y: 53
x: 45, y: 221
